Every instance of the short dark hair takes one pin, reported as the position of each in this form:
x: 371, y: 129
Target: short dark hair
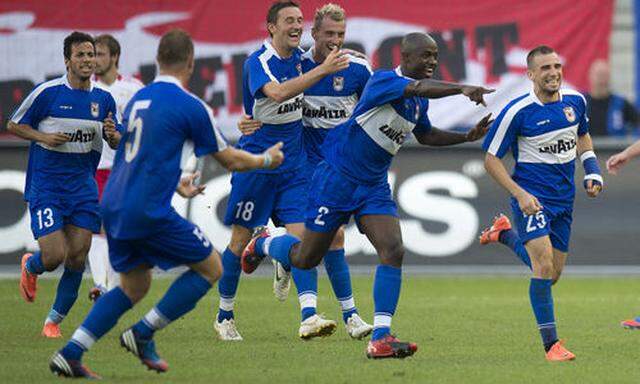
x: 111, y: 43
x: 175, y: 48
x: 76, y: 38
x: 539, y: 50
x: 272, y: 13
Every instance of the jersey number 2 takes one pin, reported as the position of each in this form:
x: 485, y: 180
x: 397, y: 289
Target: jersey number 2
x: 134, y: 128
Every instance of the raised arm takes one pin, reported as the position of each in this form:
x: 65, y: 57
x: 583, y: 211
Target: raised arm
x: 279, y: 92
x: 434, y: 89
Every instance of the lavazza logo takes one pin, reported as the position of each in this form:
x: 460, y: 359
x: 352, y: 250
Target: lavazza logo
x: 419, y: 197
x: 559, y: 147
x: 80, y: 136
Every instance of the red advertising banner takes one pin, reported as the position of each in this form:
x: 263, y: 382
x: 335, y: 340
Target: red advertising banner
x: 481, y: 42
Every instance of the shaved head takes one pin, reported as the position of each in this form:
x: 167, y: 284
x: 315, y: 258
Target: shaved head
x: 413, y: 42
x: 419, y: 55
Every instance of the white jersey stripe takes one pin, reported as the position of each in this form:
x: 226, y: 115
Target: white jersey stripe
x: 26, y: 104
x: 496, y: 142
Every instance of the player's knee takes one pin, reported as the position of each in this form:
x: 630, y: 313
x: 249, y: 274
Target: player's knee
x: 392, y: 254
x: 545, y: 269
x: 338, y: 240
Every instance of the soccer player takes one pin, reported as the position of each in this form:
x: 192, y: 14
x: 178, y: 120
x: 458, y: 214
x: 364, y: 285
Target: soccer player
x: 325, y: 105
x: 614, y: 165
x: 165, y: 125
x: 122, y: 88
x: 352, y: 180
x: 66, y: 120
x: 546, y: 129
x: 273, y: 83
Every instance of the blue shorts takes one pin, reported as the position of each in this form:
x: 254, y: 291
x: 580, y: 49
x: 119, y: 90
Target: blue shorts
x: 256, y: 196
x: 333, y: 199
x: 51, y: 214
x: 551, y: 221
x: 179, y: 242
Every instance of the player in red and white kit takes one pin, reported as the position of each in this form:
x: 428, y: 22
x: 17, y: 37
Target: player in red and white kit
x: 122, y: 88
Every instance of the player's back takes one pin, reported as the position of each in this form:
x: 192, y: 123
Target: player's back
x: 162, y: 122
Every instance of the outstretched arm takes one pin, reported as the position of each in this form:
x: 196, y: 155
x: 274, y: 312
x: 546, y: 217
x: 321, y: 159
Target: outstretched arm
x: 238, y: 160
x: 617, y: 161
x: 434, y: 89
x: 438, y: 137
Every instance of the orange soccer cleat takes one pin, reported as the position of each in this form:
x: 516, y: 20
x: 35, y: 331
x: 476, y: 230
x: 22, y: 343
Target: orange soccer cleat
x: 390, y: 347
x: 631, y: 323
x: 250, y: 260
x: 492, y: 234
x: 559, y: 353
x: 28, y: 282
x: 51, y: 330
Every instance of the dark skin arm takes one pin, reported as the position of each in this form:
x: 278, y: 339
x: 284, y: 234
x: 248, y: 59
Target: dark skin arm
x: 434, y: 89
x: 439, y: 138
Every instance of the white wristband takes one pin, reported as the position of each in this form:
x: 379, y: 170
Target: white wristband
x: 586, y: 155
x: 266, y: 160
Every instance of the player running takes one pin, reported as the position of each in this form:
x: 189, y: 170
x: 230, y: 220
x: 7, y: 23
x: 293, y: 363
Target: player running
x: 66, y: 120
x: 165, y: 125
x: 324, y: 106
x: 273, y: 83
x: 614, y: 165
x: 546, y: 129
x: 122, y: 88
x: 352, y: 179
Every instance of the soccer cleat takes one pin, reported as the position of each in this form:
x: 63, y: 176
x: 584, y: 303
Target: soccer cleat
x: 51, y: 330
x: 281, y: 281
x: 227, y: 330
x: 59, y: 365
x: 145, y: 350
x: 492, y: 234
x: 316, y: 326
x: 388, y: 347
x: 28, y: 282
x: 559, y: 353
x: 358, y: 328
x: 249, y: 259
x: 631, y: 324
x: 95, y: 293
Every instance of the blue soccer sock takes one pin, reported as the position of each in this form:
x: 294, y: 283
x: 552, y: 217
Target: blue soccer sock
x: 103, y: 316
x: 542, y: 304
x: 511, y: 239
x: 34, y: 264
x: 278, y: 248
x: 338, y: 271
x: 181, y: 297
x: 66, y: 295
x: 306, y: 281
x: 228, y: 284
x: 386, y: 292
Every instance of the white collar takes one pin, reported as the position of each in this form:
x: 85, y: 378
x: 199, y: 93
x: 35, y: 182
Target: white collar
x: 535, y: 98
x: 168, y: 79
x: 398, y: 71
x: 65, y: 81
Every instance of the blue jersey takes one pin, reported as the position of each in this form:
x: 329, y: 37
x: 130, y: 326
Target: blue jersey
x: 543, y: 139
x: 330, y: 101
x: 66, y: 170
x: 362, y: 148
x: 165, y: 126
x: 280, y: 121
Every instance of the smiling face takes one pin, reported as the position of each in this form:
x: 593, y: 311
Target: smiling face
x: 545, y: 71
x: 328, y: 35
x: 82, y: 61
x: 286, y: 32
x: 420, y: 58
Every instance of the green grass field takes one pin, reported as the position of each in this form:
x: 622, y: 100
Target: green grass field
x: 469, y: 330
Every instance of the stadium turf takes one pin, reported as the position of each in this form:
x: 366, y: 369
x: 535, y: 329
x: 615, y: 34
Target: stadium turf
x: 469, y: 330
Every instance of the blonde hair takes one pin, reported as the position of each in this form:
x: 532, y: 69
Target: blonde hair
x: 334, y: 11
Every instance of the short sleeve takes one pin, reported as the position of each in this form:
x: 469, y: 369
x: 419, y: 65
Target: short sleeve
x: 502, y: 133
x: 258, y: 72
x: 204, y: 131
x: 33, y: 108
x: 384, y: 87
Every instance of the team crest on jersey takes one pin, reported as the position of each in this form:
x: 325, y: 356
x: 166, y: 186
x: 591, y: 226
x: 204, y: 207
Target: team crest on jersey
x: 338, y: 83
x: 570, y: 114
x: 95, y: 110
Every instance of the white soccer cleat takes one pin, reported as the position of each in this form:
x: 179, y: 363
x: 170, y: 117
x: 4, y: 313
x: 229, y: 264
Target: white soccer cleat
x: 316, y: 326
x: 281, y: 281
x: 358, y: 328
x: 227, y: 330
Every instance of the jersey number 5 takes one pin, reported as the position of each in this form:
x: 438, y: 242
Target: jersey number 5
x: 134, y: 128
